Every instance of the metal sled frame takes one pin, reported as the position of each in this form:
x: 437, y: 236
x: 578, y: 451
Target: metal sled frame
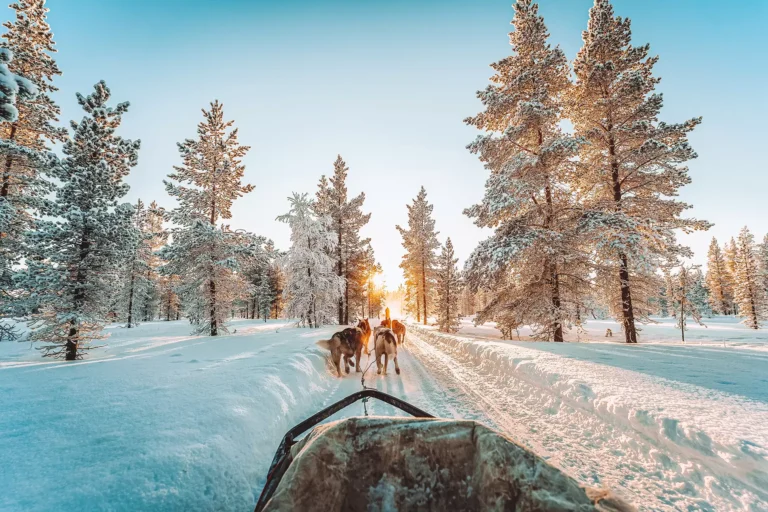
x: 282, y: 460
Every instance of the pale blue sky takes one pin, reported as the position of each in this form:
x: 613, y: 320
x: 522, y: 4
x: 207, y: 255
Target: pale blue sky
x: 386, y: 83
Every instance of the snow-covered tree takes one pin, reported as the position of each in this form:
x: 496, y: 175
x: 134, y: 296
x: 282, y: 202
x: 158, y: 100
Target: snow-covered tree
x: 683, y: 289
x: 449, y: 288
x: 11, y: 87
x: 204, y: 255
x: 347, y: 219
x: 260, y: 276
x: 75, y: 257
x: 140, y: 283
x: 718, y: 281
x: 748, y: 287
x: 420, y: 243
x: 312, y: 287
x: 28, y: 114
x: 534, y: 262
x: 632, y: 167
x: 170, y: 304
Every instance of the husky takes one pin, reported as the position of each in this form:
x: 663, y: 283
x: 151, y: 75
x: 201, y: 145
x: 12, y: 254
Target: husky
x: 397, y: 327
x: 347, y: 343
x: 365, y: 326
x: 608, y: 333
x: 385, y: 344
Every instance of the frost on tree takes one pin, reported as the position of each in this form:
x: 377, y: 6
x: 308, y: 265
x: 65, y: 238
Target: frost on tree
x: 684, y: 293
x: 448, y: 286
x: 748, y: 284
x: 75, y: 256
x: 631, y: 168
x: 26, y: 130
x: 718, y: 280
x: 347, y: 218
x: 418, y: 264
x: 534, y: 265
x: 312, y: 287
x: 140, y: 292
x: 206, y: 256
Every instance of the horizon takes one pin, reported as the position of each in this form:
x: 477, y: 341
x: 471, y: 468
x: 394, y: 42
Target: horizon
x: 387, y: 85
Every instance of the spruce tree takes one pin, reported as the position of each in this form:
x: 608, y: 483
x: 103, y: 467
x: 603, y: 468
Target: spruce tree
x: 205, y: 255
x: 312, y: 286
x: 448, y: 285
x: 748, y: 287
x: 420, y: 243
x: 534, y: 262
x: 29, y: 114
x: 632, y: 166
x: 140, y: 283
x: 347, y: 219
x: 683, y: 291
x: 75, y: 256
x: 718, y: 282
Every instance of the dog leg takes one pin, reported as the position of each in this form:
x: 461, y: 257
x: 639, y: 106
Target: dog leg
x: 358, y: 354
x: 336, y: 357
x: 346, y: 363
x: 378, y: 364
x: 397, y: 366
x: 386, y: 362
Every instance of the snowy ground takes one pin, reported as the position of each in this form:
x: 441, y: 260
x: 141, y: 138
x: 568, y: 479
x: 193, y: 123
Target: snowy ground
x: 161, y: 420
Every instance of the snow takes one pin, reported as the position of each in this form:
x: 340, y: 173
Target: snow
x: 159, y: 419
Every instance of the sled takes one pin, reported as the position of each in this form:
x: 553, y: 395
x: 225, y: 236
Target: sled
x: 416, y: 463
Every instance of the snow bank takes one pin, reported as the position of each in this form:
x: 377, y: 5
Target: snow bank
x: 664, y: 442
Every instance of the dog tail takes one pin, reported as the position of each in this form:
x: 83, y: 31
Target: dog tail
x: 326, y: 344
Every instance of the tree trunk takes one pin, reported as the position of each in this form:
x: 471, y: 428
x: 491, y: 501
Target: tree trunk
x: 340, y: 270
x: 71, y: 346
x: 628, y: 323
x: 8, y: 164
x: 551, y: 268
x: 130, y: 303
x: 78, y: 297
x: 628, y: 312
x: 213, y: 320
x: 418, y: 305
x: 424, y: 286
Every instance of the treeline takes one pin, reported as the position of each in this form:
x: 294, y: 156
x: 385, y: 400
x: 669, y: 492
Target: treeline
x: 331, y: 270
x: 74, y: 256
x: 583, y: 220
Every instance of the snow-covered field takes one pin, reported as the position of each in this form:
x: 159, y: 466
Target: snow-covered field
x: 161, y: 420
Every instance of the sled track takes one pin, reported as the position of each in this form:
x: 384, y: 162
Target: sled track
x: 654, y: 460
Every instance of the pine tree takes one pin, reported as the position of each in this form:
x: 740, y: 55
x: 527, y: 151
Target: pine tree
x: 420, y: 243
x: 27, y: 130
x: 140, y: 284
x: 748, y: 288
x: 312, y: 287
x: 135, y: 286
x: 74, y: 258
x: 763, y: 263
x: 632, y: 166
x: 718, y: 283
x: 347, y: 219
x: 683, y: 291
x: 448, y: 285
x: 206, y: 256
x: 532, y: 262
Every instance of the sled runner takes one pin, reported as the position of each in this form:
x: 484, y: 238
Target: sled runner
x: 419, y: 463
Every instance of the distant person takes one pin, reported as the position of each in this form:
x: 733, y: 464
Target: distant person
x: 387, y: 319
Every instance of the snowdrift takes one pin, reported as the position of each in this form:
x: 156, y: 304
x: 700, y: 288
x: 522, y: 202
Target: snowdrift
x: 425, y: 464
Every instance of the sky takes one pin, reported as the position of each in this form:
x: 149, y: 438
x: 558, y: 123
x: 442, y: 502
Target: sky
x: 387, y: 84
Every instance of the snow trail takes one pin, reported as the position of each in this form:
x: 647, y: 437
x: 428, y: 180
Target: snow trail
x: 191, y: 422
x: 665, y: 445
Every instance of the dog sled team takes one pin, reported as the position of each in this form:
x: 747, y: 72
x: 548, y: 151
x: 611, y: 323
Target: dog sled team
x: 352, y: 341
